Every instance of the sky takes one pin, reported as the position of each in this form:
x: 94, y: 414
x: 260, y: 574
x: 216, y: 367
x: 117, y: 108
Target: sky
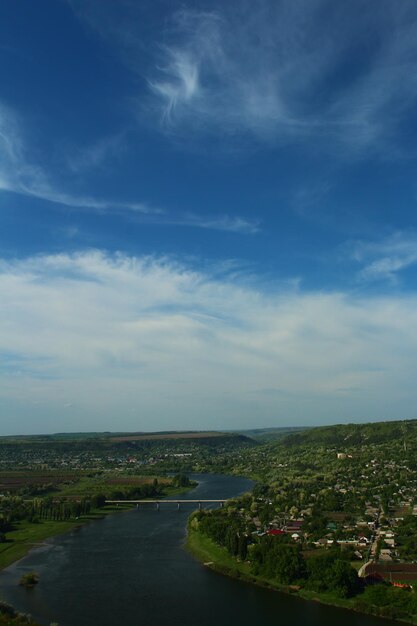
x: 207, y: 214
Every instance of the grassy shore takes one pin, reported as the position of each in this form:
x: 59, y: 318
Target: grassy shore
x: 28, y: 535
x: 218, y: 559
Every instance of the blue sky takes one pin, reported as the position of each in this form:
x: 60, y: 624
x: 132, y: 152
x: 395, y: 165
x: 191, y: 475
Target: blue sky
x: 207, y: 213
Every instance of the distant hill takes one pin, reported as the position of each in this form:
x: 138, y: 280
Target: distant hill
x: 271, y: 434
x: 164, y: 439
x: 167, y: 435
x: 354, y: 434
x: 189, y: 438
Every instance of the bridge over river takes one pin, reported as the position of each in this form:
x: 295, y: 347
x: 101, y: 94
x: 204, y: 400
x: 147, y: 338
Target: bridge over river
x: 157, y: 503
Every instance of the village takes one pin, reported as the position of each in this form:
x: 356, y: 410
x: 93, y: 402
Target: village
x: 329, y: 500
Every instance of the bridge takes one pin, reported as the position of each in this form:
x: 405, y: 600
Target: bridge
x: 157, y: 503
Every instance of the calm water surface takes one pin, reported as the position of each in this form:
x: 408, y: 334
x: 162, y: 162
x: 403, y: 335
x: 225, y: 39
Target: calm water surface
x: 131, y: 569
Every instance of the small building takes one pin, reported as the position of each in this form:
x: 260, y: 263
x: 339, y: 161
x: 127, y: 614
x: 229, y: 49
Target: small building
x: 391, y: 572
x: 385, y: 555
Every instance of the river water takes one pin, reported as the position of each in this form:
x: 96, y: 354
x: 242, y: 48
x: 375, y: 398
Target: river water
x: 132, y: 570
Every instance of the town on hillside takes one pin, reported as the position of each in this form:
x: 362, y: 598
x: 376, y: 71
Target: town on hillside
x: 333, y: 509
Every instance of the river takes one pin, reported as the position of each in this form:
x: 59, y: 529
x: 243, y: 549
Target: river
x: 131, y: 569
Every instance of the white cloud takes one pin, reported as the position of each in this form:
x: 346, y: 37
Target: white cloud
x: 223, y: 222
x: 274, y: 69
x: 383, y: 260
x: 183, y: 348
x: 95, y: 155
x: 18, y: 175
x: 183, y: 86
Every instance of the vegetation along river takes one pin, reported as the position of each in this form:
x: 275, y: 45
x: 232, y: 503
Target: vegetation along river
x: 131, y: 569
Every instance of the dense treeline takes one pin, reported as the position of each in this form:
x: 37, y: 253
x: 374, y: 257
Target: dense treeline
x: 354, y: 434
x: 149, y: 490
x: 332, y: 572
x: 272, y: 558
x: 14, y: 509
x: 406, y: 537
x: 111, y: 446
x: 278, y: 557
x: 58, y: 510
x: 138, y: 492
x: 387, y: 601
x: 225, y: 530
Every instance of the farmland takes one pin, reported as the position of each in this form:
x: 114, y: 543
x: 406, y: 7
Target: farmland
x: 13, y: 482
x: 169, y: 436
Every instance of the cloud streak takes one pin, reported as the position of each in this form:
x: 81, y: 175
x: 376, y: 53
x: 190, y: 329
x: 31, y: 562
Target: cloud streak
x: 385, y: 259
x: 272, y: 69
x: 221, y: 222
x: 150, y: 340
x: 18, y: 175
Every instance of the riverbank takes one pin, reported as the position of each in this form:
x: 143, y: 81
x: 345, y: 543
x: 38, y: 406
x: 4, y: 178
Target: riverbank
x: 10, y: 617
x: 28, y: 535
x: 218, y: 559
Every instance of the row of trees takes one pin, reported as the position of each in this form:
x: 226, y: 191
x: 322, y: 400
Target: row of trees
x: 388, y: 601
x: 138, y: 492
x: 406, y: 537
x: 58, y: 510
x: 278, y: 557
x: 15, y: 509
x: 225, y: 530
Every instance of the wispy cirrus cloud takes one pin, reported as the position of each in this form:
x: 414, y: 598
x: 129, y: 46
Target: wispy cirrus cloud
x: 80, y: 160
x: 223, y: 222
x: 149, y: 338
x: 273, y: 69
x: 19, y: 175
x: 336, y: 77
x: 386, y: 258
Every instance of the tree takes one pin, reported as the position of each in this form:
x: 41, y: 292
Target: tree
x: 243, y: 547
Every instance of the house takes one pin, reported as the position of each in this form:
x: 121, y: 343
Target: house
x: 385, y: 555
x: 400, y: 573
x: 294, y: 525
